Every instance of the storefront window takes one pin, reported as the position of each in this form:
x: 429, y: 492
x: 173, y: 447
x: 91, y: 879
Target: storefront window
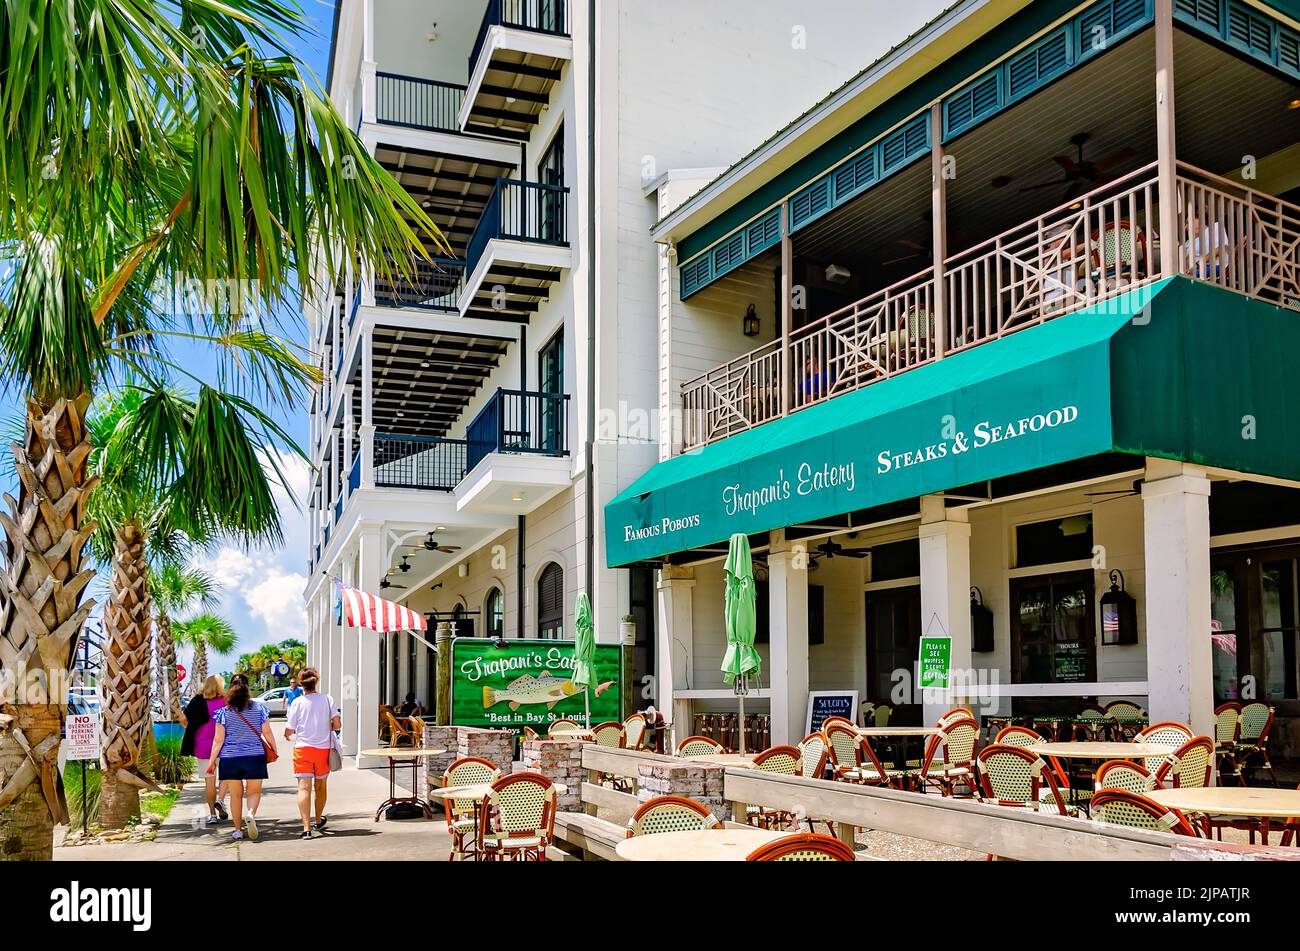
x: 1223, y: 626
x: 1274, y: 647
x: 1054, y: 629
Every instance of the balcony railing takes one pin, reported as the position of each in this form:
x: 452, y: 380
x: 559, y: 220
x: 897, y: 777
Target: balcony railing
x: 436, y: 286
x: 415, y: 103
x: 539, y: 16
x: 519, y: 422
x: 1095, y: 247
x: 521, y: 211
x: 413, y: 462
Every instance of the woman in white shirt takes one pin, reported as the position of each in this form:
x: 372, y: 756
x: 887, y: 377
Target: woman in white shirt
x: 312, y: 719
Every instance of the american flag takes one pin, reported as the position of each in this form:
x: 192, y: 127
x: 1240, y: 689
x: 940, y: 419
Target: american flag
x: 359, y: 609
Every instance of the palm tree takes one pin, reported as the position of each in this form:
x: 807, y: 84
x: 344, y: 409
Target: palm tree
x: 202, y: 633
x: 175, y: 590
x: 196, y: 149
x: 170, y: 470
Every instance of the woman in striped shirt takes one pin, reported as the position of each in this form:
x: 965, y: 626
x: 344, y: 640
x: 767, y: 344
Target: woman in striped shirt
x: 240, y: 743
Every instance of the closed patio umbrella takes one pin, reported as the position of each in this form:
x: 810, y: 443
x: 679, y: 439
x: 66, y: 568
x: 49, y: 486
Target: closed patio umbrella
x: 741, y: 660
x: 584, y: 652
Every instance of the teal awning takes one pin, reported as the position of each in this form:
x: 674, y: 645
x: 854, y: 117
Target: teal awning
x: 1181, y: 370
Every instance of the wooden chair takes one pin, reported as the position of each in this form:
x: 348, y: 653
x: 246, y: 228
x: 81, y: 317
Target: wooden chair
x: 1018, y: 777
x: 399, y: 735
x: 950, y: 758
x: 785, y: 761
x: 694, y: 746
x: 1227, y: 731
x: 670, y: 814
x: 564, y: 723
x: 1092, y: 723
x: 1127, y: 716
x: 1119, y: 807
x: 635, y: 732
x: 1167, y: 733
x: 1125, y: 774
x: 1118, y: 254
x: 1188, y: 767
x: 385, y: 731
x: 609, y: 734
x: 417, y: 732
x: 956, y: 713
x: 517, y: 820
x: 462, y: 814
x: 853, y: 760
x: 1252, y: 744
x: 528, y: 733
x: 803, y: 847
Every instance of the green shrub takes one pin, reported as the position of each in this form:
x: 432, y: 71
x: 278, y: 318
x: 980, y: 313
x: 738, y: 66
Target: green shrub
x: 82, y: 800
x: 168, y: 766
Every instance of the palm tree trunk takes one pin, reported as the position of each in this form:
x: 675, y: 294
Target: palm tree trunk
x: 128, y: 619
x: 41, y: 615
x: 167, y: 665
x: 200, y: 665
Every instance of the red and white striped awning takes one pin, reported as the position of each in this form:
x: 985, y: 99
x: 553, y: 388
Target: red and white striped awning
x: 360, y: 609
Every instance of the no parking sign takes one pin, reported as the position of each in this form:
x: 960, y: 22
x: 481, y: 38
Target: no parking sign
x: 83, y: 737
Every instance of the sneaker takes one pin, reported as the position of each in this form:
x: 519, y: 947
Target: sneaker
x: 221, y: 811
x: 306, y: 834
x: 251, y: 822
x: 213, y: 820
x: 319, y: 826
x: 237, y: 836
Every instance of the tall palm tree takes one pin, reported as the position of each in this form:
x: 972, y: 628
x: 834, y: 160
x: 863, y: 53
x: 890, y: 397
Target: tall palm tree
x: 194, y: 149
x: 202, y: 633
x: 170, y: 468
x: 175, y: 589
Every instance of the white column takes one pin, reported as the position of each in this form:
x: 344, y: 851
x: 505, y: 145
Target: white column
x: 788, y: 614
x: 1166, y: 140
x: 371, y: 570
x: 675, y: 646
x: 390, y: 670
x: 401, y: 643
x: 349, y: 434
x: 422, y: 675
x: 351, y: 685
x: 945, y: 589
x: 368, y: 65
x: 367, y: 431
x: 1176, y: 538
x: 939, y: 228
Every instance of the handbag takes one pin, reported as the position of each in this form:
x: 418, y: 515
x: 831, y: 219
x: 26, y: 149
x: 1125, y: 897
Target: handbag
x: 336, y: 746
x: 271, y: 754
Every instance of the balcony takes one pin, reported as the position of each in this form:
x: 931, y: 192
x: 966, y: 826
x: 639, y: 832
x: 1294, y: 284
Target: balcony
x: 519, y: 248
x: 435, y: 286
x: 412, y: 462
x: 1092, y: 248
x: 415, y: 103
x: 518, y: 57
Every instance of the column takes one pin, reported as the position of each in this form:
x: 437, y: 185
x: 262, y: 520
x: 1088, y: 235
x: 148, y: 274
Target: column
x: 939, y: 228
x: 786, y: 313
x: 352, y: 686
x: 401, y: 644
x: 944, y: 538
x: 1176, y: 540
x: 371, y: 571
x: 675, y: 645
x: 368, y: 65
x: 421, y: 685
x: 788, y: 662
x: 1166, y: 142
x: 349, y: 434
x: 367, y: 430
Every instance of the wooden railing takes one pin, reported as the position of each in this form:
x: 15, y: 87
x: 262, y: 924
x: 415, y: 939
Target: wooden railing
x: 1092, y: 248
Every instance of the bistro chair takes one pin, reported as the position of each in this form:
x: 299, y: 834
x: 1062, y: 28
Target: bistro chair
x: 1024, y: 737
x: 785, y: 761
x: 1168, y: 733
x: 880, y: 714
x: 852, y: 758
x: 956, y: 713
x: 462, y: 814
x: 530, y: 734
x: 1118, y: 254
x: 1092, y: 723
x: 695, y: 746
x: 517, y: 820
x: 1127, y: 775
x: 564, y: 723
x: 670, y: 814
x: 956, y: 763
x: 1252, y: 745
x: 1119, y: 807
x: 399, y: 735
x: 1188, y: 767
x: 1015, y: 776
x: 803, y: 847
x: 417, y: 731
x: 634, y: 732
x: 609, y: 734
x: 814, y: 751
x: 1127, y: 715
x: 1289, y: 837
x: 1227, y: 731
x: 845, y: 721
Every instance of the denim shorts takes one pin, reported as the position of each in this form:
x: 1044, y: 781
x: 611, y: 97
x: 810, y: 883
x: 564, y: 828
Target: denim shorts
x: 241, y: 767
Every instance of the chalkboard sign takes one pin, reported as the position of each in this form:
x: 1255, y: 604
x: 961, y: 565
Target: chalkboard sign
x: 830, y: 703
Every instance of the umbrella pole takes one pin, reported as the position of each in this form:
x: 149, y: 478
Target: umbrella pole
x: 586, y: 703
x: 741, y: 699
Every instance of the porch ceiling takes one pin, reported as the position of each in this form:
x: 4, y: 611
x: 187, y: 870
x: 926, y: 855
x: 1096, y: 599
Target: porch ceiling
x: 512, y: 291
x: 515, y: 90
x: 423, y: 381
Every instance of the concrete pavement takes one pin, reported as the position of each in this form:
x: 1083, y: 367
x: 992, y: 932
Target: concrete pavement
x: 352, y: 833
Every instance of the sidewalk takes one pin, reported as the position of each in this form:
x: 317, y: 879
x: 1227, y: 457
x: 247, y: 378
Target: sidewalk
x: 352, y: 833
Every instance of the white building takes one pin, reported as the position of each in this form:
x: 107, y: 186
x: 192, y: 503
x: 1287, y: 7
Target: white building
x: 494, y: 409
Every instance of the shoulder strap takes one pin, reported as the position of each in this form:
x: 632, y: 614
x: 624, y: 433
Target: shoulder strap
x: 257, y: 733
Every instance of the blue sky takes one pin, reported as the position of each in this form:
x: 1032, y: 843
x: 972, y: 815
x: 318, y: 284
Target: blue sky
x: 262, y: 587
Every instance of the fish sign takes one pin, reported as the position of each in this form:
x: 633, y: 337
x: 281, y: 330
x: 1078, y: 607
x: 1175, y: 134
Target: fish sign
x: 528, y: 684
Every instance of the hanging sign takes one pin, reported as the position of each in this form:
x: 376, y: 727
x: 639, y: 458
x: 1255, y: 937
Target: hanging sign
x: 934, y: 667
x: 82, y: 741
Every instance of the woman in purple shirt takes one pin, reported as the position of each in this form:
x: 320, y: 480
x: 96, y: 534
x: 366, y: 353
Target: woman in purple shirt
x: 197, y: 742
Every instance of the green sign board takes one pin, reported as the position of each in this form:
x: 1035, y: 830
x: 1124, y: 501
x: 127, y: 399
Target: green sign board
x: 934, y: 669
x: 526, y: 683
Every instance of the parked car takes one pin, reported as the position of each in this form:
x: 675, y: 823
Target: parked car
x: 275, y: 701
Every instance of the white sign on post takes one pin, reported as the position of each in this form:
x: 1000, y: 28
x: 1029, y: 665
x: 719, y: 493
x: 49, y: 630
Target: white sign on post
x: 83, y: 737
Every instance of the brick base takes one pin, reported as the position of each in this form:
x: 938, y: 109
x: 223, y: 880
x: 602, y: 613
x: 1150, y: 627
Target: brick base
x: 560, y: 761
x: 694, y: 781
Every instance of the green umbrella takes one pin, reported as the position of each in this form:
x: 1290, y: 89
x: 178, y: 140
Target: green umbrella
x: 741, y: 660
x: 584, y: 651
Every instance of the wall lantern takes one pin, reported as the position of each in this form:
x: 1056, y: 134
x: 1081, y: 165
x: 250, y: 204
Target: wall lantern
x: 750, y: 323
x: 981, y: 623
x: 1118, y: 613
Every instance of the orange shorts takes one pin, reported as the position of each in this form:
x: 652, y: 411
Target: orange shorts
x: 310, y: 763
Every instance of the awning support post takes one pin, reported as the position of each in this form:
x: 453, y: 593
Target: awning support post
x: 939, y: 228
x: 1166, y: 143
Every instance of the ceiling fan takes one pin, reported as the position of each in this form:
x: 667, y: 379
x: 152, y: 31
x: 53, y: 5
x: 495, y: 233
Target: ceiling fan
x: 385, y: 584
x: 831, y: 549
x: 922, y: 249
x: 405, y: 566
x: 431, y: 544
x: 1081, y: 174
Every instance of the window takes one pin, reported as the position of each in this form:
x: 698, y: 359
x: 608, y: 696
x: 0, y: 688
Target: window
x: 1053, y: 629
x: 550, y: 174
x: 550, y: 602
x: 550, y: 380
x: 462, y: 625
x: 494, y: 613
x: 1055, y: 541
x: 896, y: 560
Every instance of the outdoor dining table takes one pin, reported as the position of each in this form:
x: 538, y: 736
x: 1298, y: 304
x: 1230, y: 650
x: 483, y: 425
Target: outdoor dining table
x: 570, y: 735
x: 739, y: 760
x: 403, y: 756
x: 1096, y: 750
x: 1241, y: 801
x: 897, y: 738
x: 699, y: 845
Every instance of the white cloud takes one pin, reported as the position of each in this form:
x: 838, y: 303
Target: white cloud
x: 277, y: 601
